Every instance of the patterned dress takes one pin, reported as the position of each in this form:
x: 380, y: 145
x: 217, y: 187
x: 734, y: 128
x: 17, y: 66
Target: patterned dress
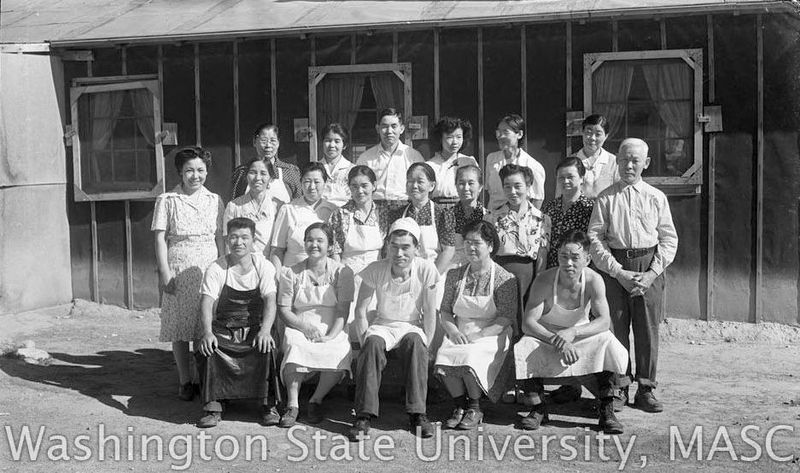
x: 563, y: 223
x: 191, y: 223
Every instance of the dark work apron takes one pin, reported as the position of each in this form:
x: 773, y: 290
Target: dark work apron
x: 237, y: 370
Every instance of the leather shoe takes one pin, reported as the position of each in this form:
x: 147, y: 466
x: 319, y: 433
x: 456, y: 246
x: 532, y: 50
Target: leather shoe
x: 420, y: 425
x: 455, y: 418
x: 646, y: 401
x: 608, y: 420
x: 211, y: 419
x: 270, y: 416
x: 620, y: 399
x: 289, y: 417
x: 535, y: 419
x: 472, y: 419
x: 359, y: 430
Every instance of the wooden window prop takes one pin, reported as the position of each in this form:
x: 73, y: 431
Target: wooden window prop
x: 352, y: 95
x: 656, y: 96
x: 116, y: 138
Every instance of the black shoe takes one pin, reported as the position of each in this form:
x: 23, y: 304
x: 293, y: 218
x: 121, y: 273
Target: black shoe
x: 535, y: 419
x: 314, y: 414
x: 455, y: 418
x: 472, y: 419
x: 420, y: 425
x: 186, y: 392
x: 608, y: 420
x: 270, y: 416
x: 646, y: 401
x: 211, y: 419
x: 359, y: 430
x: 620, y: 399
x: 289, y: 417
x: 566, y: 394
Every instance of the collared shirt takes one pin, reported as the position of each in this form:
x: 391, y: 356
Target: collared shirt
x: 337, y: 191
x: 504, y: 292
x: 390, y: 169
x: 445, y: 171
x: 263, y: 215
x: 632, y: 216
x: 289, y: 216
x: 521, y: 234
x: 340, y: 221
x: 601, y: 171
x: 196, y: 217
x: 463, y: 219
x: 576, y: 218
x: 494, y: 188
x: 290, y: 175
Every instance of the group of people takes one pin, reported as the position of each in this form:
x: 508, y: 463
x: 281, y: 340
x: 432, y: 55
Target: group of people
x: 276, y: 288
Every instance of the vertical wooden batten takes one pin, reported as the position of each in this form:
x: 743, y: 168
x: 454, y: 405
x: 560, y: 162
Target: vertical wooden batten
x: 436, y: 86
x: 273, y: 79
x: 353, y: 48
x: 568, y: 78
x: 481, y: 146
x: 123, y: 51
x: 395, y: 46
x: 312, y: 46
x: 523, y: 78
x: 760, y: 174
x: 614, y: 35
x: 662, y: 28
x: 128, y: 233
x: 712, y: 190
x: 237, y: 147
x: 93, y: 227
x: 198, y: 139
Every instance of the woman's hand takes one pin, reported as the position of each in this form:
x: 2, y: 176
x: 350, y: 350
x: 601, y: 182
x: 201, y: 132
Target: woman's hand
x: 473, y: 336
x: 263, y: 341
x: 208, y: 344
x: 167, y: 282
x: 457, y: 337
x: 312, y: 332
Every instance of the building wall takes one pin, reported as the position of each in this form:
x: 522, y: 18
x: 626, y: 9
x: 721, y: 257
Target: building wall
x: 548, y: 95
x: 34, y: 233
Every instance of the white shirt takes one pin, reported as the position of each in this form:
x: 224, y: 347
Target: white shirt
x: 261, y: 275
x: 632, y: 216
x: 337, y: 191
x: 446, y: 172
x: 390, y: 169
x: 601, y: 171
x: 494, y: 188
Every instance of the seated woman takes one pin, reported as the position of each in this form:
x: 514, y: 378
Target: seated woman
x: 314, y: 301
x: 237, y: 311
x: 561, y: 345
x: 478, y: 313
x: 294, y: 217
x: 257, y: 204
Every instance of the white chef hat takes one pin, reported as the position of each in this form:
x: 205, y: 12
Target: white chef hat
x: 408, y: 224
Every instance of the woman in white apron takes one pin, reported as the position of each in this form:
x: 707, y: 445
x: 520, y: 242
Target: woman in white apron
x: 257, y: 204
x: 357, y: 230
x: 561, y: 345
x: 469, y: 184
x: 293, y: 218
x: 313, y: 301
x: 478, y: 314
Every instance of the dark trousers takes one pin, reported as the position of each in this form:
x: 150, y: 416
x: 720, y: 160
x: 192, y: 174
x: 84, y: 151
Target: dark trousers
x: 372, y: 360
x: 603, y: 384
x: 643, y: 314
x: 524, y: 269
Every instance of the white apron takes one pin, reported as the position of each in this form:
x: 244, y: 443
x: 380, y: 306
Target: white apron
x: 398, y: 313
x: 429, y: 248
x: 295, y: 241
x: 484, y: 356
x: 602, y: 352
x: 362, y: 246
x: 315, y: 305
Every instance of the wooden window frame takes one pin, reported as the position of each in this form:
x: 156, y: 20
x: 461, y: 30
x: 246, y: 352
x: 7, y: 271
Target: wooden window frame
x: 89, y: 85
x: 690, y: 182
x: 316, y: 73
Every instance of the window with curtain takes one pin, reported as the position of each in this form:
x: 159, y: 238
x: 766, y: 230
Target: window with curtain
x: 654, y: 96
x: 116, y: 151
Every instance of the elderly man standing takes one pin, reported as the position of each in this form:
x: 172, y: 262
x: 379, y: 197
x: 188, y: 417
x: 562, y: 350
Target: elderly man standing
x: 633, y: 242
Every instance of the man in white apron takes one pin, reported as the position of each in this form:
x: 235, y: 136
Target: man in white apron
x: 405, y: 286
x: 561, y: 346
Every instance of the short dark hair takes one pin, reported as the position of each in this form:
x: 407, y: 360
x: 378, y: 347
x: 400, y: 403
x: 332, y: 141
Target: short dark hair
x: 426, y: 169
x: 314, y: 166
x: 595, y: 119
x: 402, y: 233
x: 337, y: 129
x: 572, y: 161
x: 511, y: 169
x: 262, y: 127
x: 448, y: 125
x: 361, y: 170
x: 390, y: 112
x: 241, y: 222
x: 578, y: 237
x: 273, y: 174
x: 188, y: 153
x: 486, y: 231
x: 326, y: 229
x: 514, y: 121
x: 470, y: 167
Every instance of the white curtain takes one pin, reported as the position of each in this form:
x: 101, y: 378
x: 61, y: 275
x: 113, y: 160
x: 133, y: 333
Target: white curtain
x: 105, y: 111
x: 611, y: 85
x: 670, y: 86
x: 142, y: 100
x: 388, y: 91
x: 340, y: 100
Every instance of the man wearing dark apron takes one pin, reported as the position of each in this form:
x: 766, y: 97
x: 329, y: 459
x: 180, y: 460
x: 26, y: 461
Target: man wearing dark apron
x: 236, y: 350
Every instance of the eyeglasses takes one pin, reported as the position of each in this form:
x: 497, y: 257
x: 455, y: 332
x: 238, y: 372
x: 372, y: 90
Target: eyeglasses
x: 265, y: 140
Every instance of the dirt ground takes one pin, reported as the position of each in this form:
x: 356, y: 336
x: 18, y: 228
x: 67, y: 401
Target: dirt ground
x: 733, y: 385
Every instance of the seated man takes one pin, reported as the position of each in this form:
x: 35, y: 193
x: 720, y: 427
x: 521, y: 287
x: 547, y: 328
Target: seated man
x: 237, y: 310
x: 561, y: 345
x: 405, y: 286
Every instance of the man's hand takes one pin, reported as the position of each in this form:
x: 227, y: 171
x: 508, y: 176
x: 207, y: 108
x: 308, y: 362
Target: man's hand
x: 208, y: 344
x: 628, y: 279
x: 263, y: 341
x: 564, y: 337
x: 643, y: 284
x: 569, y: 353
